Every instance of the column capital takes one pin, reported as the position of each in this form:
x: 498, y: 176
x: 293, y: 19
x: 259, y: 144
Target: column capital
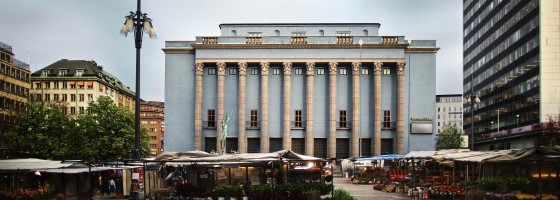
x: 221, y: 68
x: 310, y: 68
x: 356, y: 66
x: 400, y: 68
x: 199, y: 68
x: 332, y: 68
x: 242, y: 68
x: 377, y: 68
x: 264, y: 68
x: 287, y: 68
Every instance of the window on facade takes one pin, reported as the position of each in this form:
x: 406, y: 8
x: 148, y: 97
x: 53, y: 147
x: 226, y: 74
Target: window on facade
x: 255, y: 34
x: 79, y: 72
x: 386, y: 119
x: 211, y: 118
x: 365, y: 71
x: 298, y: 71
x: 38, y: 85
x: 64, y: 85
x: 47, y: 97
x: 343, y: 34
x: 342, y: 117
x: 254, y: 71
x: 153, y: 130
x: 62, y: 72
x: 254, y: 118
x: 56, y: 97
x: 90, y: 97
x: 48, y: 85
x: 153, y: 138
x: 342, y: 71
x: 298, y: 119
x: 73, y: 110
x: 72, y: 98
x: 82, y: 97
x: 64, y: 97
x: 276, y: 71
x: 386, y: 71
x: 211, y: 71
x: 144, y: 122
x: 45, y: 72
x: 320, y: 71
x: 55, y: 85
x: 72, y: 85
x: 82, y: 110
x: 232, y: 71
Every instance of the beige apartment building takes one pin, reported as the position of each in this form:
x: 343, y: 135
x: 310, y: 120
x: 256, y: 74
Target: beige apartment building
x: 14, y: 89
x: 76, y: 82
x: 151, y: 118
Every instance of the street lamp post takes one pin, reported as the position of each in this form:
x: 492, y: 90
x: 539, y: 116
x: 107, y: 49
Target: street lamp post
x: 472, y: 99
x: 517, y: 120
x: 137, y: 22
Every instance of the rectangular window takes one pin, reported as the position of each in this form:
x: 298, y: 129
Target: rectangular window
x: 90, y: 97
x: 254, y: 71
x: 79, y: 72
x: 343, y: 123
x: 47, y: 97
x: 386, y: 119
x: 73, y: 98
x: 64, y: 85
x: 45, y: 72
x: 143, y: 122
x: 55, y: 85
x: 73, y: 85
x: 153, y: 138
x: 342, y: 71
x: 82, y: 97
x: 153, y: 130
x: 365, y: 71
x: 64, y: 97
x: 211, y: 71
x: 211, y: 118
x: 320, y: 71
x: 298, y: 119
x: 62, y: 72
x: 56, y: 97
x: 386, y: 71
x: 276, y: 71
x: 73, y: 110
x: 254, y: 118
x: 47, y: 85
x: 232, y: 71
x: 82, y: 109
x: 298, y: 71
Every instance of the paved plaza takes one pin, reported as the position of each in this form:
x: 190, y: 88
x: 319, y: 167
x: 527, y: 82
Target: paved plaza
x: 365, y: 192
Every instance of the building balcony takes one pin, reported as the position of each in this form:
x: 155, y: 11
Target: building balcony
x: 280, y: 40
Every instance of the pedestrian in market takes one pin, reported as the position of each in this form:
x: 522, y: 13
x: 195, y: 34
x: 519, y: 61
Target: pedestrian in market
x: 112, y: 186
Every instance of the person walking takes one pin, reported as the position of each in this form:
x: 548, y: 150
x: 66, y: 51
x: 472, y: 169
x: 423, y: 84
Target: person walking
x: 112, y: 186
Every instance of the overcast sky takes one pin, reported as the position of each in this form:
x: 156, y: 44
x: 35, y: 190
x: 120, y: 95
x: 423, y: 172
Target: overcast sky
x: 43, y: 32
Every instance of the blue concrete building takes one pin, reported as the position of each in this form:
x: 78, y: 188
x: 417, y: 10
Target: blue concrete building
x: 326, y: 90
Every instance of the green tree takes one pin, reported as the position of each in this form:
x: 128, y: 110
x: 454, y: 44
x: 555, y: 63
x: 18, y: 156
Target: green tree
x: 449, y: 138
x: 39, y: 131
x: 106, y: 132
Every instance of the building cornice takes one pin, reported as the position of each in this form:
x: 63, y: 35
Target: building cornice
x: 422, y: 50
x: 299, y: 46
x: 178, y: 50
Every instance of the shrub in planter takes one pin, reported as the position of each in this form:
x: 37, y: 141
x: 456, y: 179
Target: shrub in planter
x: 341, y: 194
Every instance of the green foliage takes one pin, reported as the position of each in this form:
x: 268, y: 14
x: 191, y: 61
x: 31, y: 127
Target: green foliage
x: 449, y: 138
x: 105, y: 132
x: 40, y: 130
x: 341, y: 194
x: 490, y: 183
x: 227, y: 191
x: 289, y: 189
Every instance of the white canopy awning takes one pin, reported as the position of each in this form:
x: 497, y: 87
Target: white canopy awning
x: 30, y: 164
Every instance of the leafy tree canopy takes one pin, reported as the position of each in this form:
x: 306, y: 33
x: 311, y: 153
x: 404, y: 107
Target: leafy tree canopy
x: 105, y: 132
x: 449, y: 138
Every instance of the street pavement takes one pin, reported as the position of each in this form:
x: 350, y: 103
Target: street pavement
x: 366, y: 192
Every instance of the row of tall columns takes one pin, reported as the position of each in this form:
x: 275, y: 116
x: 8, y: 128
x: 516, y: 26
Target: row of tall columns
x: 309, y: 137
